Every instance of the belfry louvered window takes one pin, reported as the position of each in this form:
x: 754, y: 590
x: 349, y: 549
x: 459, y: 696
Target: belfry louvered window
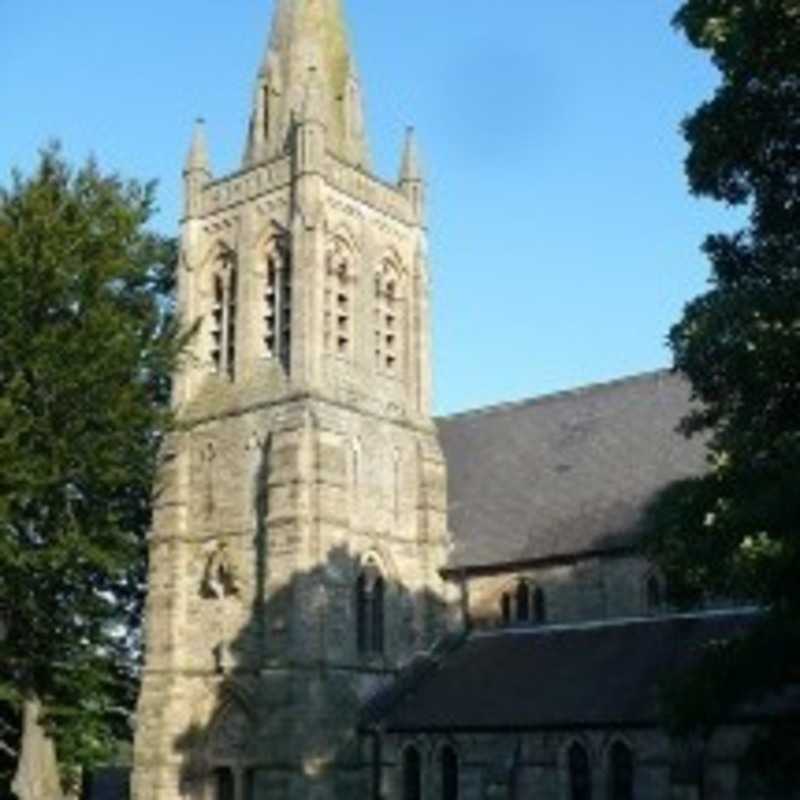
x: 278, y: 306
x: 223, y: 316
x: 338, y: 319
x: 388, y: 320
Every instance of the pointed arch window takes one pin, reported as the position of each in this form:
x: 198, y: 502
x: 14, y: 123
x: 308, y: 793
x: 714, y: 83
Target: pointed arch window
x: 224, y: 784
x: 620, y: 772
x: 654, y: 595
x: 450, y: 781
x: 412, y: 774
x: 388, y: 319
x: 278, y: 305
x: 523, y: 602
x: 223, y: 315
x: 370, y: 601
x: 539, y: 606
x: 505, y: 608
x: 580, y: 773
x: 338, y: 322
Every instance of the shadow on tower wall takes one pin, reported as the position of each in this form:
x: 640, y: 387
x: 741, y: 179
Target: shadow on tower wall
x: 277, y: 714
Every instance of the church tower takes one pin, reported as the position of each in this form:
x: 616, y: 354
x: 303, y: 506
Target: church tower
x: 300, y: 517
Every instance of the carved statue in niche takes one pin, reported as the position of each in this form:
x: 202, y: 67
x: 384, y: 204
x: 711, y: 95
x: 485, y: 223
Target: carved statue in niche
x: 220, y: 577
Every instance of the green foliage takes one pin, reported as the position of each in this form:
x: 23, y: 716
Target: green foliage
x: 86, y: 349
x: 734, y: 533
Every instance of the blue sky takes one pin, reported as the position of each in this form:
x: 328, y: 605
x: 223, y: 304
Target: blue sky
x: 564, y: 241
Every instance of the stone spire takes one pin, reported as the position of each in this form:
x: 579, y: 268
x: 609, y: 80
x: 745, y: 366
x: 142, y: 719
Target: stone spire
x: 307, y: 34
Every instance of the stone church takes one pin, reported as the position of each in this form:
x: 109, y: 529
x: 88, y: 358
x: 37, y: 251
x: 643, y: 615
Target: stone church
x: 347, y: 597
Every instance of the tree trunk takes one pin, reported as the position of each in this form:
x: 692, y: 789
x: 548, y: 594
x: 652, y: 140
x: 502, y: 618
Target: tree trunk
x: 37, y: 772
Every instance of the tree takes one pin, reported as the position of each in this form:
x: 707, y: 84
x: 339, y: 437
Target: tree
x: 87, y: 345
x: 735, y: 532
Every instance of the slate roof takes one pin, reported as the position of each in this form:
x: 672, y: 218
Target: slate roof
x: 564, y: 474
x: 561, y: 677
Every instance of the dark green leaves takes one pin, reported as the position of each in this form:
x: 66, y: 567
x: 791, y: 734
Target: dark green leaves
x: 735, y: 533
x: 86, y: 349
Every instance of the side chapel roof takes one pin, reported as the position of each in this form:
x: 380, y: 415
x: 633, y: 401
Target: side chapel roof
x: 547, y: 678
x: 564, y: 474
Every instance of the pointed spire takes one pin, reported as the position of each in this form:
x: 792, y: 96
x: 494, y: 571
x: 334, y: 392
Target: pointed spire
x: 310, y: 33
x: 198, y: 160
x: 411, y: 167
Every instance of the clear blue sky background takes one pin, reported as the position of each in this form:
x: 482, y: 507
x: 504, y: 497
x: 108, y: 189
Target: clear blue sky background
x: 564, y: 240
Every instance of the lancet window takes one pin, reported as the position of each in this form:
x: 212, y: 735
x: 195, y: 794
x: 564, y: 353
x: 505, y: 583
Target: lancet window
x: 223, y: 315
x: 370, y: 601
x: 339, y: 279
x: 654, y: 595
x: 224, y: 784
x: 523, y: 602
x: 620, y: 773
x: 580, y: 773
x: 278, y: 305
x: 524, y: 605
x: 388, y: 319
x: 505, y: 608
x: 449, y: 766
x: 539, y: 606
x: 412, y: 774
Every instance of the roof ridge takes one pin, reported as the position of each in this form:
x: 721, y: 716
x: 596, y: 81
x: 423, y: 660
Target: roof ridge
x: 578, y: 391
x: 619, y: 622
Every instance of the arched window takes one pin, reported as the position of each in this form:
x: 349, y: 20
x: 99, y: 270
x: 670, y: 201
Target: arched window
x: 580, y: 774
x: 505, y: 608
x: 337, y: 327
x: 412, y: 774
x: 278, y: 305
x: 223, y: 315
x: 370, y: 601
x: 523, y: 602
x: 654, y: 595
x: 449, y: 763
x: 620, y: 773
x: 224, y: 784
x: 539, y: 607
x: 388, y: 319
